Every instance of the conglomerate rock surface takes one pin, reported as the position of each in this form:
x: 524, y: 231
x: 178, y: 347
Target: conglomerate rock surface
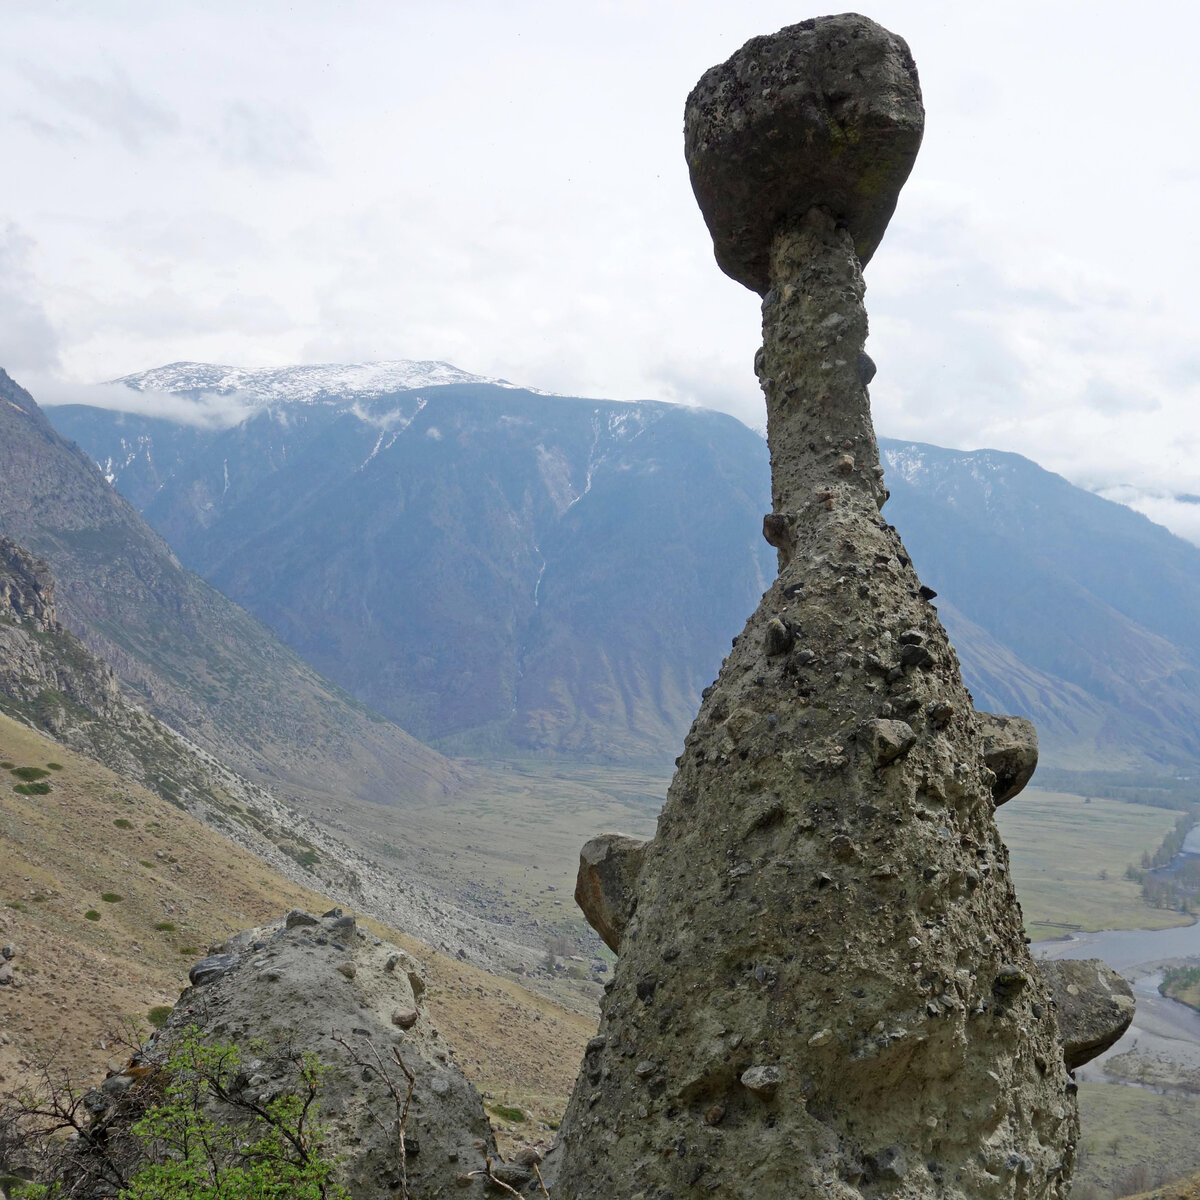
x: 824, y: 986
x: 323, y: 985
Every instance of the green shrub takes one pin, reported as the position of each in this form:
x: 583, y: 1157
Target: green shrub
x: 54, y: 766
x: 111, y: 897
x: 121, y: 823
x: 275, y: 1152
x: 91, y: 915
x: 158, y: 1015
x: 6, y: 766
x: 190, y: 951
x: 268, y: 1149
x: 165, y: 926
x: 16, y: 905
x: 145, y: 862
x: 29, y: 773
x: 32, y: 789
x: 508, y: 1112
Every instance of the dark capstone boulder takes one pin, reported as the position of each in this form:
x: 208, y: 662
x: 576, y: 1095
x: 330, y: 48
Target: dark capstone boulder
x: 1095, y: 1006
x: 826, y: 113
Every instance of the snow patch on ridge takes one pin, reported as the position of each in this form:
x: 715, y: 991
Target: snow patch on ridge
x: 305, y: 384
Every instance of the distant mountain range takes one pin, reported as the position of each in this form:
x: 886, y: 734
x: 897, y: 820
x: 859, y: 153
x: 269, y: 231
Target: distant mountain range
x: 502, y: 570
x: 189, y: 654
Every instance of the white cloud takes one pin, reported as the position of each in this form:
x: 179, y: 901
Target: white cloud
x: 210, y: 410
x: 502, y: 187
x: 28, y: 339
x: 266, y: 137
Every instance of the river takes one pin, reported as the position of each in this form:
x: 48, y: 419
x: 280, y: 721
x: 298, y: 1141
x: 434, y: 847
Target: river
x: 1160, y: 1026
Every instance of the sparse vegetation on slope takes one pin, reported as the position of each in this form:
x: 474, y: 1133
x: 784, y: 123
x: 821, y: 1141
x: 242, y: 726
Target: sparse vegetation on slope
x: 1133, y: 1139
x: 102, y: 968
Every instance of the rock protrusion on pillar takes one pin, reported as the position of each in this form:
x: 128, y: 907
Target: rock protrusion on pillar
x: 604, y: 888
x: 1010, y: 749
x: 1095, y: 1006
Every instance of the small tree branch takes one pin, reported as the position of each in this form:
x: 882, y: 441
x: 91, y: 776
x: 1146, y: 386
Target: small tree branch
x: 402, y: 1105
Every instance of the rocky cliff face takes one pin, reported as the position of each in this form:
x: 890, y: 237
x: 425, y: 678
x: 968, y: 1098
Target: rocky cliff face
x: 46, y: 674
x: 824, y: 988
x: 26, y: 588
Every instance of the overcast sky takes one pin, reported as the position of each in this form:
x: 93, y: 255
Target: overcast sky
x: 501, y: 185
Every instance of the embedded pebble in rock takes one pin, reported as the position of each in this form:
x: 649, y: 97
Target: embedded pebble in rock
x: 826, y: 895
x: 278, y: 985
x: 762, y: 1081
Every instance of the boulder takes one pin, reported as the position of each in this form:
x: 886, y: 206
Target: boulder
x: 1095, y: 1005
x: 826, y: 113
x: 604, y: 887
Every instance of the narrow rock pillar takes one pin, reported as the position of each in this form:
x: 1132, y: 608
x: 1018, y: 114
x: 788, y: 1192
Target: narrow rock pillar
x: 823, y: 987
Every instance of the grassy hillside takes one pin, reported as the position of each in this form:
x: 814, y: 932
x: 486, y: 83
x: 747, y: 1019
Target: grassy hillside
x: 183, y: 887
x: 1133, y: 1139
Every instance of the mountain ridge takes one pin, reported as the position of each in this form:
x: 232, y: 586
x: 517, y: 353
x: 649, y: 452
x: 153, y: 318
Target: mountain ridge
x: 586, y: 569
x: 306, y: 383
x: 193, y: 657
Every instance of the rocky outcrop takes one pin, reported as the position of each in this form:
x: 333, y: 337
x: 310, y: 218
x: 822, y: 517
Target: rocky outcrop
x: 324, y: 985
x: 1095, y: 1006
x: 46, y: 675
x: 26, y: 588
x: 824, y: 987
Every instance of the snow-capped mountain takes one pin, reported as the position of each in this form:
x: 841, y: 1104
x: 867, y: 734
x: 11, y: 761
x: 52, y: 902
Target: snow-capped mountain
x: 305, y: 384
x: 492, y: 567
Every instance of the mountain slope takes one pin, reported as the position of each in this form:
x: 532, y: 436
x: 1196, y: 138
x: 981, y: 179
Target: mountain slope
x: 184, y: 887
x: 197, y: 660
x: 1089, y: 592
x: 497, y: 568
x: 485, y: 565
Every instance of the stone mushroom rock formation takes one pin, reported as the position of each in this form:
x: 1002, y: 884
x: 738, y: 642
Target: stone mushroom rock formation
x: 823, y: 987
